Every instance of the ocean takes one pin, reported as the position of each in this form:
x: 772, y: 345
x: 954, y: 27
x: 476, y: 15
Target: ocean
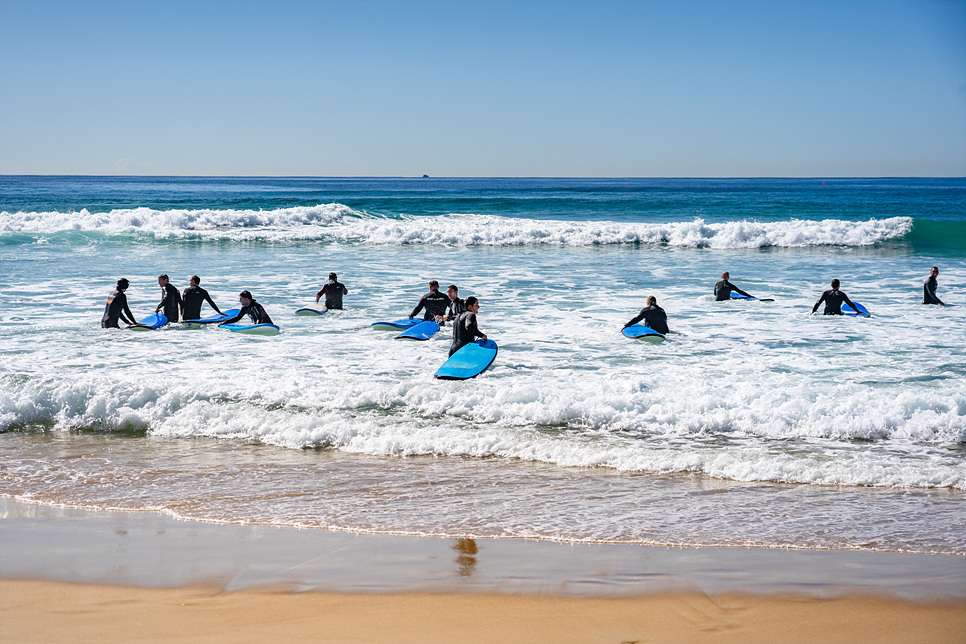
x: 754, y: 424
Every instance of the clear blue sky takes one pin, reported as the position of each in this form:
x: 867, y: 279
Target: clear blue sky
x: 480, y: 88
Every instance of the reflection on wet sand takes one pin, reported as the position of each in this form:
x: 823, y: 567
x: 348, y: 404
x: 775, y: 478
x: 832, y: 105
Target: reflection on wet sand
x: 466, y: 559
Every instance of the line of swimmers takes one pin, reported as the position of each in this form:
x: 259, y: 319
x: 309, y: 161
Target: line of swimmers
x: 434, y: 304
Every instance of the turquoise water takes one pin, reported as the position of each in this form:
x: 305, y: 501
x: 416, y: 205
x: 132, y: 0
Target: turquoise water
x: 753, y: 424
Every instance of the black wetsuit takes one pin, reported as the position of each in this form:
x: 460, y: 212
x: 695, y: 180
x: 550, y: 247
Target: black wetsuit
x: 333, y: 292
x: 722, y: 291
x: 464, y: 331
x: 170, y: 302
x: 833, y: 299
x: 435, y: 304
x: 193, y: 298
x: 255, y: 311
x: 929, y: 291
x: 116, y: 309
x: 454, y: 308
x: 654, y: 317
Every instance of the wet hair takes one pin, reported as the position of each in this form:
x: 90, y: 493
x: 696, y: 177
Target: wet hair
x: 333, y: 276
x: 246, y: 294
x: 123, y: 283
x: 835, y: 283
x: 163, y: 276
x: 651, y: 300
x: 454, y: 287
x: 196, y: 279
x: 934, y: 268
x: 434, y: 284
x: 471, y: 300
x: 725, y: 275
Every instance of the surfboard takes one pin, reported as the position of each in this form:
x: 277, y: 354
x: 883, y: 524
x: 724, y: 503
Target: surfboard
x: 214, y: 319
x: 862, y: 311
x: 422, y: 331
x: 736, y: 296
x: 398, y: 325
x: 641, y: 332
x: 153, y: 321
x: 310, y: 311
x: 252, y: 329
x: 470, y: 361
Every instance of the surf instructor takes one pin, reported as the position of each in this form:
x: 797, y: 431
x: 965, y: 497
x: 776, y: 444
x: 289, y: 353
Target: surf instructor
x: 722, y: 290
x: 654, y: 316
x: 434, y: 302
x: 117, y: 307
x: 465, y: 329
x: 251, y: 308
x: 833, y: 299
x: 333, y: 292
x: 194, y: 296
x: 170, y: 299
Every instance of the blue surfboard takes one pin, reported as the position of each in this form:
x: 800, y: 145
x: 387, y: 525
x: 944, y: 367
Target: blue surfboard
x: 311, y: 311
x: 641, y: 332
x: 470, y: 361
x: 398, y: 325
x: 214, y: 319
x: 736, y: 296
x: 153, y: 321
x: 861, y: 312
x: 422, y: 331
x: 252, y: 329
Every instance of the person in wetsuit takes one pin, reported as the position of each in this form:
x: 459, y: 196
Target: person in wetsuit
x: 333, y: 292
x: 192, y: 299
x: 465, y: 329
x: 117, y: 308
x: 833, y: 299
x: 654, y: 316
x: 722, y: 290
x: 252, y: 309
x: 929, y: 288
x: 434, y: 302
x: 455, y: 306
x: 170, y: 299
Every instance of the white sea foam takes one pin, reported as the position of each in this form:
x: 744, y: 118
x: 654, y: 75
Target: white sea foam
x: 337, y: 222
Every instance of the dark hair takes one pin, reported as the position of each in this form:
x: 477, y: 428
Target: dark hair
x: 246, y: 294
x: 123, y: 283
x: 195, y: 278
x: 434, y: 283
x: 333, y: 276
x: 454, y: 287
x: 471, y: 300
x: 651, y: 300
x: 163, y: 276
x: 934, y: 268
x: 835, y: 283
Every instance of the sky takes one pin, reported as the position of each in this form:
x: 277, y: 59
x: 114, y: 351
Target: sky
x: 531, y: 88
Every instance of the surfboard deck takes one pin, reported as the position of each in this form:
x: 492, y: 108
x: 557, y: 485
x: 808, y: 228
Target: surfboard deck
x: 309, y: 311
x: 736, y: 296
x: 422, y: 331
x: 398, y: 325
x: 214, y: 319
x: 641, y: 332
x: 153, y: 321
x: 470, y: 361
x: 252, y: 329
x: 861, y: 312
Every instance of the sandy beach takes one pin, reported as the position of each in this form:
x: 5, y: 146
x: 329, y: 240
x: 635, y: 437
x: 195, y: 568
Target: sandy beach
x: 83, y: 576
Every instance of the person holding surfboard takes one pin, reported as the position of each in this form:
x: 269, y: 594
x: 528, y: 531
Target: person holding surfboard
x: 455, y: 306
x: 465, y: 329
x: 654, y: 316
x: 117, y: 308
x: 170, y: 299
x: 333, y: 292
x: 833, y: 299
x: 929, y: 288
x: 434, y: 302
x: 251, y: 308
x: 194, y: 296
x: 723, y: 289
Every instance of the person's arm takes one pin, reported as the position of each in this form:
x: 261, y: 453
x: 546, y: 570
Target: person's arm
x: 473, y: 329
x: 634, y: 320
x: 739, y: 291
x: 240, y: 315
x: 931, y: 292
x: 212, y: 303
x: 419, y: 307
x: 129, y: 319
x: 846, y: 299
x: 345, y: 291
x: 820, y: 300
x: 164, y: 298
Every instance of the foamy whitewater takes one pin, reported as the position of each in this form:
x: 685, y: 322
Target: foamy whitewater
x: 755, y: 423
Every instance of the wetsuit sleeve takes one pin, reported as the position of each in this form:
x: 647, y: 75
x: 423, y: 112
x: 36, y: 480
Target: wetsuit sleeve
x: 637, y: 318
x: 738, y: 290
x: 212, y: 303
x: 472, y: 328
x: 820, y: 300
x: 929, y: 287
x: 240, y: 315
x: 125, y: 309
x: 419, y: 307
x: 849, y: 302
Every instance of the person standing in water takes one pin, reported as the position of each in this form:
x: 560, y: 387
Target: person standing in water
x: 251, y: 308
x: 654, y: 316
x: 455, y: 306
x: 194, y: 296
x: 465, y: 329
x: 929, y: 288
x: 434, y: 302
x: 833, y: 299
x: 333, y: 292
x: 722, y: 290
x: 170, y: 299
x: 117, y: 308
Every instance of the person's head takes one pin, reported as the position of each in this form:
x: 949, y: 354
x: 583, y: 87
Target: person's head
x: 122, y: 284
x: 651, y: 300
x: 835, y: 284
x: 434, y: 285
x: 245, y: 297
x: 452, y: 291
x: 472, y: 304
x: 726, y: 276
x: 195, y: 280
x: 333, y: 277
x: 163, y: 279
x: 934, y: 271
